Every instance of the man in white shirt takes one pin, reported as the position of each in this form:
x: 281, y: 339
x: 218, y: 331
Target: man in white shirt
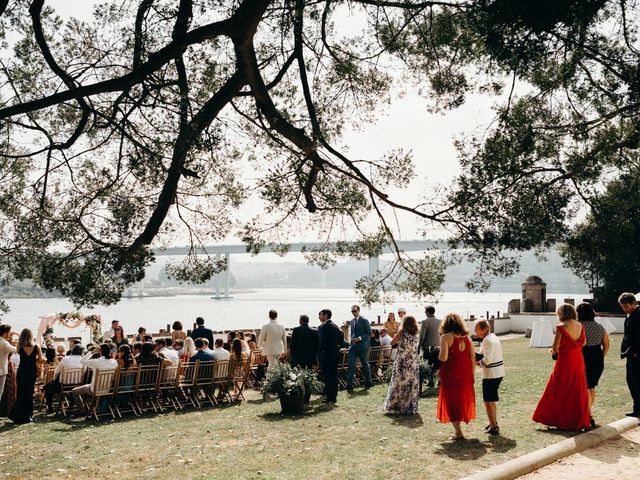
x: 170, y: 353
x: 68, y: 362
x: 5, y: 349
x: 104, y: 362
x: 272, y: 339
x: 385, y: 338
x: 108, y: 334
x: 492, y: 365
x: 219, y: 353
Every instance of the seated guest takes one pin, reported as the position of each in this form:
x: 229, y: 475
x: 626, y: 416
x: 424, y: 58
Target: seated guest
x: 67, y: 362
x: 375, y: 338
x: 148, y: 356
x: 203, y: 354
x: 245, y: 345
x: 178, y: 333
x: 252, y: 341
x: 136, y: 348
x: 103, y: 362
x: 236, y: 351
x: 178, y: 345
x: 60, y: 354
x: 230, y: 338
x: 385, y: 338
x: 147, y: 338
x: 188, y: 350
x: 72, y: 344
x: 49, y: 352
x: 160, y: 346
x: 124, y: 357
x: 219, y: 353
x: 141, y: 334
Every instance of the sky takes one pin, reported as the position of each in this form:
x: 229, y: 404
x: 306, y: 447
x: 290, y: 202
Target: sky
x: 405, y: 124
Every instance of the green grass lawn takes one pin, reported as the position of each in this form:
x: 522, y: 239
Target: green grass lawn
x: 355, y: 439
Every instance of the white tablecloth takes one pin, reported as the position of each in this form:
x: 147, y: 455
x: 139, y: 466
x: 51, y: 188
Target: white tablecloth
x: 608, y: 326
x: 542, y: 333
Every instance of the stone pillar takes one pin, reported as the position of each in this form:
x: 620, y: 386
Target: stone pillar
x: 218, y: 280
x: 534, y: 295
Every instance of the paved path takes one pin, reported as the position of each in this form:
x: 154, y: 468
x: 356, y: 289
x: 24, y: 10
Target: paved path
x: 617, y: 458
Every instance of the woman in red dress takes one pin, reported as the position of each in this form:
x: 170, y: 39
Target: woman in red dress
x: 565, y: 401
x: 457, y: 397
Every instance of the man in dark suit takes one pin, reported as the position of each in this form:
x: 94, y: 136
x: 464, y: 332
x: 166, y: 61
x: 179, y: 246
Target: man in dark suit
x: 359, y: 348
x: 330, y: 340
x: 201, y: 331
x: 630, y: 348
x: 304, y: 345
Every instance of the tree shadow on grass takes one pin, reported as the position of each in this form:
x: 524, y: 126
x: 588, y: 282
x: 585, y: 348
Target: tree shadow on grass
x: 500, y: 444
x: 464, y: 450
x: 409, y: 421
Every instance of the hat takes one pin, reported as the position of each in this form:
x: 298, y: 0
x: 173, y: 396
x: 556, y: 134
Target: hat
x: 402, y: 309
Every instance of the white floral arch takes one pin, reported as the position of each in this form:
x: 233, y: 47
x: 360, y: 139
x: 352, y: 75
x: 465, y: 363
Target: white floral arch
x: 70, y: 320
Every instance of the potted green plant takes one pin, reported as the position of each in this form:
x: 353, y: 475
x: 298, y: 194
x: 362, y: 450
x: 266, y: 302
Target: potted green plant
x: 290, y: 384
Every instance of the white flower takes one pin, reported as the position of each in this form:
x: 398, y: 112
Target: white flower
x: 293, y: 376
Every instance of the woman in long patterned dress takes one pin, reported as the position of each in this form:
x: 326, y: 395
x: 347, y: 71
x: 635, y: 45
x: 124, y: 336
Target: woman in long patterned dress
x: 402, y: 396
x: 457, y: 398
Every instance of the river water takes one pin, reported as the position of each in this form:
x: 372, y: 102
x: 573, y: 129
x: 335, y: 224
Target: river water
x: 249, y: 309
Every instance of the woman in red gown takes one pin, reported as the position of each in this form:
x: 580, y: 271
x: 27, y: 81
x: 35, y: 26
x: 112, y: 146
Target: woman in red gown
x: 457, y: 397
x: 565, y: 401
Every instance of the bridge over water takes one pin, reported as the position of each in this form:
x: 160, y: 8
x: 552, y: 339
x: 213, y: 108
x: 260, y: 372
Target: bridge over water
x: 220, y: 251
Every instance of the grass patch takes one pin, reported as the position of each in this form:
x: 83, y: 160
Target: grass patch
x: 353, y: 439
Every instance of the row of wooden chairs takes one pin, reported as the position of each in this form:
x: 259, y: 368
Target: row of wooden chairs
x: 379, y: 361
x: 156, y: 387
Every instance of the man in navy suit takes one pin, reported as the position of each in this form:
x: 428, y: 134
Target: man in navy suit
x: 201, y: 331
x: 359, y: 348
x: 630, y: 348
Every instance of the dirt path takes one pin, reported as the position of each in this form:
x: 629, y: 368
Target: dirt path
x: 614, y: 459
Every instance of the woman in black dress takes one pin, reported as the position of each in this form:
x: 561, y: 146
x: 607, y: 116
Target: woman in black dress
x: 593, y: 351
x: 26, y: 377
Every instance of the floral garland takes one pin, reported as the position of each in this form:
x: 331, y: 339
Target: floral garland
x: 72, y: 320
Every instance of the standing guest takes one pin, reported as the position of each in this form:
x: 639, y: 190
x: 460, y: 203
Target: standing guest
x: 160, y: 346
x: 330, y: 340
x: 108, y: 334
x: 203, y: 354
x: 402, y: 312
x: 456, y: 398
x: 304, y: 344
x: 219, y: 353
x: 567, y: 384
x: 630, y: 348
x: 429, y: 338
x: 391, y: 325
x: 594, y: 350
x: 30, y: 353
x: 6, y: 350
x: 231, y: 336
x: 359, y: 348
x: 492, y: 365
x: 385, y: 338
x: 402, y: 395
x: 178, y: 333
x: 141, y: 334
x: 188, y: 350
x: 201, y: 331
x: 272, y: 339
x: 119, y: 338
x: 102, y: 363
x: 253, y: 343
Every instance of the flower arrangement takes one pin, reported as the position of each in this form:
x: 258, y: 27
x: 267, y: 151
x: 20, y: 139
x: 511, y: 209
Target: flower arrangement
x: 283, y: 380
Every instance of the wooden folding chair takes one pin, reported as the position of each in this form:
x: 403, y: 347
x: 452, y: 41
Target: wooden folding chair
x: 343, y: 368
x: 186, y: 379
x: 102, y: 393
x: 374, y: 362
x: 146, y: 388
x: 167, y: 386
x: 385, y: 360
x: 47, y: 376
x: 202, y: 385
x: 220, y: 380
x: 256, y: 361
x: 70, y: 378
x: 238, y: 371
x: 124, y: 391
